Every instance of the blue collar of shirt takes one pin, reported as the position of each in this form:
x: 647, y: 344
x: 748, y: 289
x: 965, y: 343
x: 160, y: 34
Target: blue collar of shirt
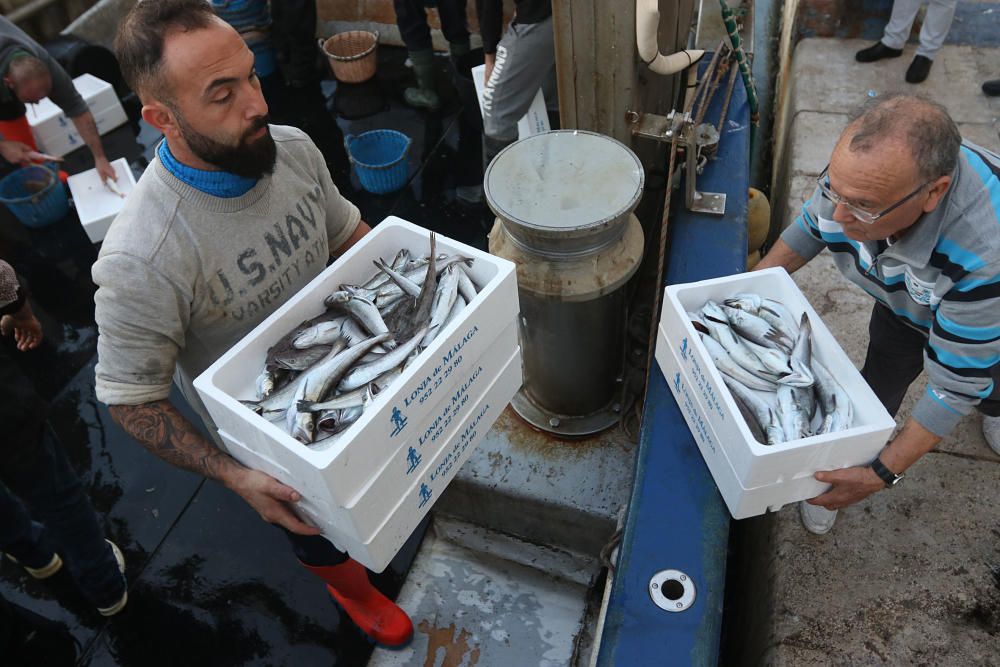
x: 215, y: 183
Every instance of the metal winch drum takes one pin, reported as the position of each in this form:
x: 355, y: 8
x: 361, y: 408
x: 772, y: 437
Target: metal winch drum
x: 564, y: 203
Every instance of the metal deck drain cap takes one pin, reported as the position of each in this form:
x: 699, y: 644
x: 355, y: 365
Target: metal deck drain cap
x: 671, y: 590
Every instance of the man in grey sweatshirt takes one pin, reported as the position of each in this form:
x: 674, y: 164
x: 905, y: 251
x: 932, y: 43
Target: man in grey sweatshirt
x: 910, y: 213
x: 231, y: 219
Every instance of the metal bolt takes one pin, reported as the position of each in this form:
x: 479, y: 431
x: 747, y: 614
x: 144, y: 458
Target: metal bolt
x: 616, y: 408
x: 554, y: 422
x: 655, y: 585
x: 680, y: 604
x: 683, y: 577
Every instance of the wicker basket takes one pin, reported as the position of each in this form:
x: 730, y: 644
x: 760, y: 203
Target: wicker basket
x: 352, y: 55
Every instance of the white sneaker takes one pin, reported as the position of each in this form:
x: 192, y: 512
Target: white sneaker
x: 991, y: 431
x: 817, y: 520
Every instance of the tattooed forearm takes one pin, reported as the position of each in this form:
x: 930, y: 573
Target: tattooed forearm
x: 164, y: 431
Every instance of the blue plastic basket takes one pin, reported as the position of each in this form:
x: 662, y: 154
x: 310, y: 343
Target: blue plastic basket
x: 379, y: 158
x: 35, y: 195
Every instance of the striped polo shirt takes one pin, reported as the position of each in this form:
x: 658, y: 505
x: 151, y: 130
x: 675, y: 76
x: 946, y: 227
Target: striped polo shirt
x: 942, y: 278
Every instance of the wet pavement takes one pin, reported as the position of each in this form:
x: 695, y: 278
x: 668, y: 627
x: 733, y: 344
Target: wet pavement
x: 209, y: 582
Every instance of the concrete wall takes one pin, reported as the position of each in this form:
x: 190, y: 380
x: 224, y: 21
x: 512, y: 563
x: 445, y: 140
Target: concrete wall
x: 43, y: 19
x: 98, y: 24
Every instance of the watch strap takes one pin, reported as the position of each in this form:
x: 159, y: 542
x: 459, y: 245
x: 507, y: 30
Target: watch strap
x: 889, y: 477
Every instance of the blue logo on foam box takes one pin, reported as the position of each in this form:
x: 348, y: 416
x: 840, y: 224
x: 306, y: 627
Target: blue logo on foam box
x: 398, y: 421
x: 413, y: 460
x: 425, y: 494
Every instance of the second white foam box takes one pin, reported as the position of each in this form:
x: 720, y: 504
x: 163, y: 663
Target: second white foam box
x: 96, y: 205
x: 332, y: 476
x: 679, y: 350
x: 416, y: 501
x: 56, y: 134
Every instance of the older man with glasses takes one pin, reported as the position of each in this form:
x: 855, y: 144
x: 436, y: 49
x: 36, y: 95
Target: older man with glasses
x: 911, y: 214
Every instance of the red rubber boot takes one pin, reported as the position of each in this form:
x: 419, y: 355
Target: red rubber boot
x: 375, y: 614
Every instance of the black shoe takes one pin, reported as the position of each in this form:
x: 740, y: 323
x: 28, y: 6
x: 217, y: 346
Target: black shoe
x: 992, y: 88
x: 918, y: 69
x: 876, y: 51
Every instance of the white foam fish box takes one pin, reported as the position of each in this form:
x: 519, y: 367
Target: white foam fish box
x: 751, y: 476
x: 360, y: 516
x: 411, y: 501
x: 96, y: 205
x: 331, y: 476
x: 56, y: 134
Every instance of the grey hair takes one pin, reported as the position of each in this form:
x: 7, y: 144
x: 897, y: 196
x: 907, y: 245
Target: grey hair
x: 25, y: 66
x: 929, y: 132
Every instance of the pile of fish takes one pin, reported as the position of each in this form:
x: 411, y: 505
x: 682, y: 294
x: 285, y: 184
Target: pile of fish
x: 766, y: 361
x: 321, y: 376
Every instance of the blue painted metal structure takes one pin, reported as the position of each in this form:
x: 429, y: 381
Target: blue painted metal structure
x: 677, y: 519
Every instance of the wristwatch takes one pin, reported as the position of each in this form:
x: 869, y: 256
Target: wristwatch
x: 890, y: 478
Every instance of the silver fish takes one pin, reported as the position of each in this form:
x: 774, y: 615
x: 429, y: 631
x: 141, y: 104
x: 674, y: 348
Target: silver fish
x: 721, y: 330
x: 724, y: 362
x: 778, y: 316
x: 362, y: 375
x: 838, y: 410
x: 801, y: 357
x: 351, y: 399
x: 774, y: 360
x: 362, y: 310
x: 466, y: 288
x: 425, y: 300
x: 329, y: 372
x: 300, y: 424
x: 419, y: 275
x: 757, y: 329
x: 281, y: 399
x: 405, y: 284
x: 299, y: 360
x: 762, y: 413
x: 324, y: 333
x: 399, y: 263
x: 401, y: 259
x: 747, y: 301
x: 327, y: 420
x: 793, y: 421
x: 338, y: 421
x: 444, y: 301
x: 265, y: 383
x: 456, y: 310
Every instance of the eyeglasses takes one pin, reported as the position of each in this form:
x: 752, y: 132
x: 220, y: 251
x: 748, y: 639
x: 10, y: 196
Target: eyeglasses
x: 860, y: 214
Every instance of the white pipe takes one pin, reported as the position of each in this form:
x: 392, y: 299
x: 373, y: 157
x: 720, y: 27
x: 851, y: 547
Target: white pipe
x: 647, y: 24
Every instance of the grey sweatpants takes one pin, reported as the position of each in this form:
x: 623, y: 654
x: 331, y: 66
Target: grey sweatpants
x: 937, y: 22
x: 525, y: 62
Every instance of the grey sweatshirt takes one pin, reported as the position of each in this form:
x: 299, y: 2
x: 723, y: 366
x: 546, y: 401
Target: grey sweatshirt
x: 63, y: 93
x: 183, y: 275
x: 942, y: 278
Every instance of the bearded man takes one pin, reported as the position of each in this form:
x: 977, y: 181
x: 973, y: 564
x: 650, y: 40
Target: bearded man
x: 230, y: 220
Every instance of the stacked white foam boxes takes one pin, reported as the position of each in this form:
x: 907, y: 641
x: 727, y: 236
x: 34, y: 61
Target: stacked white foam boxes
x: 370, y: 489
x: 752, y: 477
x: 96, y: 205
x: 56, y: 134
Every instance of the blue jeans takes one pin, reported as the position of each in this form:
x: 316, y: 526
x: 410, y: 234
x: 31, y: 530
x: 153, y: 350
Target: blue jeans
x: 35, y: 474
